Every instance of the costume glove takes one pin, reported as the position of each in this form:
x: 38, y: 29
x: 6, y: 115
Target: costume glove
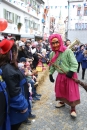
x: 70, y: 74
x: 51, y: 78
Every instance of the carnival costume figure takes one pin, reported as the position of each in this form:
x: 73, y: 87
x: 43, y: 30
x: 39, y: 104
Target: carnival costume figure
x: 66, y: 89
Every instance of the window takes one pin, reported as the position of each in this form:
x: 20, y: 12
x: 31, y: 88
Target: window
x: 26, y: 25
x: 27, y: 2
x: 31, y: 2
x: 31, y: 24
x: 17, y: 19
x: 85, y: 11
x: 34, y: 4
x: 81, y: 26
x: 8, y: 15
x: 38, y: 8
x: 35, y: 26
x: 38, y: 27
x: 78, y: 11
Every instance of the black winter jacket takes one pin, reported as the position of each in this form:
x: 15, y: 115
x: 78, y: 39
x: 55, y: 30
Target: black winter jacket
x: 23, y: 53
x: 12, y: 77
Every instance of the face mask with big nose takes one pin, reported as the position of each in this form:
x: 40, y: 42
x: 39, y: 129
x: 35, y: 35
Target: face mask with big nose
x: 55, y: 44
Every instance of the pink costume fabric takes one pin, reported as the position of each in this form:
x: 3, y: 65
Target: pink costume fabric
x: 66, y: 89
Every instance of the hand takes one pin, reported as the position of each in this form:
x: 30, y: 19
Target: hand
x: 51, y: 78
x: 48, y: 61
x: 24, y: 110
x: 70, y: 74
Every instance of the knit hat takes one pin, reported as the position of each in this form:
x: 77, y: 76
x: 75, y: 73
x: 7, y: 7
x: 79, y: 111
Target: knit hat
x: 33, y: 45
x: 5, y: 46
x: 28, y: 41
x: 22, y: 59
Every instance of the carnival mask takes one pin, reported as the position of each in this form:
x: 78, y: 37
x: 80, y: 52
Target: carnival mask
x: 55, y: 44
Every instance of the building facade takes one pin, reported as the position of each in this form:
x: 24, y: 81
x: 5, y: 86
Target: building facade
x: 46, y: 20
x: 24, y: 13
x: 77, y: 20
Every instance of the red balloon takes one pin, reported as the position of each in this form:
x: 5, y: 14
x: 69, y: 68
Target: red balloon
x: 3, y: 24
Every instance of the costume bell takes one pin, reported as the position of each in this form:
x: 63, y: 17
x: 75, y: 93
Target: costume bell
x: 66, y: 89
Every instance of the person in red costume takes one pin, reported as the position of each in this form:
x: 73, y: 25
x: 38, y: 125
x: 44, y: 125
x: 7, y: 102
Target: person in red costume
x: 66, y: 89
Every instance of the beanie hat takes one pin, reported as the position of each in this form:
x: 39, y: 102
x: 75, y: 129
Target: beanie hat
x: 33, y: 45
x: 22, y: 59
x: 5, y: 46
x: 28, y: 41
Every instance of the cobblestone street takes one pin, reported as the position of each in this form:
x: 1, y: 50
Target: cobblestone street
x: 50, y: 118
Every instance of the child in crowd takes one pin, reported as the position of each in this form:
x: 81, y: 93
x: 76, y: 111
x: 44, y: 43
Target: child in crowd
x: 21, y: 67
x: 32, y: 80
x: 26, y: 69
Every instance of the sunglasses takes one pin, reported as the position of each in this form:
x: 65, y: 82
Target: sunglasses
x: 55, y: 42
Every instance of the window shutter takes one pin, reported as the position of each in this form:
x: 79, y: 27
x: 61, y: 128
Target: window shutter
x: 29, y: 23
x: 35, y: 6
x: 38, y: 27
x: 25, y: 2
x: 4, y: 13
x: 15, y: 19
x: 31, y: 2
x: 33, y: 25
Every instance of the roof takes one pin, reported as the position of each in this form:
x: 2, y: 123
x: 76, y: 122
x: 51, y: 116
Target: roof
x: 40, y: 1
x: 75, y: 0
